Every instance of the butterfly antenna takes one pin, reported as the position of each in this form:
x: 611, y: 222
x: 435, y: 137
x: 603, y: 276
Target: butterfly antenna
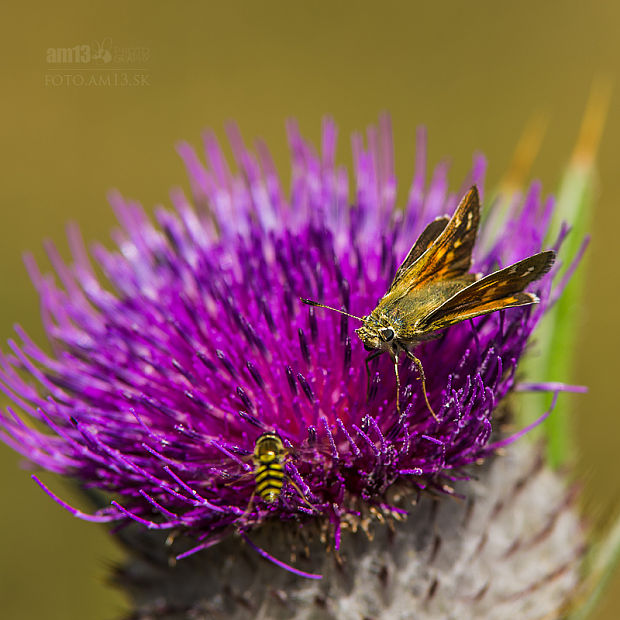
x: 309, y: 302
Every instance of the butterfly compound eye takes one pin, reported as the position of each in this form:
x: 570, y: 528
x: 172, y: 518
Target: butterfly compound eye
x: 387, y: 333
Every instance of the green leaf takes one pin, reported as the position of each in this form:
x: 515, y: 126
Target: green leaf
x: 555, y: 339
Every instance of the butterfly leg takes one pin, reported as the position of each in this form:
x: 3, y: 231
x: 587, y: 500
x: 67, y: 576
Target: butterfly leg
x: 420, y: 368
x: 397, y: 384
x: 368, y: 360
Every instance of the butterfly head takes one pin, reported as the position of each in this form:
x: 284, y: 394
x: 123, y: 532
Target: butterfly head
x: 377, y: 334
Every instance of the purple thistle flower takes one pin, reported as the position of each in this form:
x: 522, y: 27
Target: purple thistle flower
x: 163, y: 377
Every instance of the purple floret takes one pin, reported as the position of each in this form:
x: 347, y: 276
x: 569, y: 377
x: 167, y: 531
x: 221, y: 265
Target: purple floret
x: 164, y: 374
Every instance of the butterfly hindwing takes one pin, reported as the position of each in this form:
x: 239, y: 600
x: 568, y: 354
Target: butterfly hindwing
x: 499, y: 290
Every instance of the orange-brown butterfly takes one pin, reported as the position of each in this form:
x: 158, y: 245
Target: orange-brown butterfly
x: 433, y: 289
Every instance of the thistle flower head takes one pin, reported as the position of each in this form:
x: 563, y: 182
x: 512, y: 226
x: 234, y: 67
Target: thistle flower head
x: 165, y: 373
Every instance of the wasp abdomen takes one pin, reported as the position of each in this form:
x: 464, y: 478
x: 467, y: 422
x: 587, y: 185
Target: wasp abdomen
x: 269, y: 481
x: 269, y: 473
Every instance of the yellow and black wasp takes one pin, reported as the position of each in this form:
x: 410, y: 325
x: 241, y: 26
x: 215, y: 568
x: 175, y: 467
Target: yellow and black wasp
x: 269, y: 453
x: 269, y: 475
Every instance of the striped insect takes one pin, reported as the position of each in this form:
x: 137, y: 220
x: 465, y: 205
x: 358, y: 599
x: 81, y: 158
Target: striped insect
x: 269, y: 475
x: 269, y: 453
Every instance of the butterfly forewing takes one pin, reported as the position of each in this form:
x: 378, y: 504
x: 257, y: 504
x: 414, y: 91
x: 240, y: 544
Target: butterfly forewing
x: 449, y: 255
x: 429, y: 234
x: 499, y: 290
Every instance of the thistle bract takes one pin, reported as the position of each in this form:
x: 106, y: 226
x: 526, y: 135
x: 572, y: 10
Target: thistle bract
x: 164, y: 374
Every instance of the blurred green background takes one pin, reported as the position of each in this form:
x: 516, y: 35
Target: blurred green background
x: 473, y: 73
